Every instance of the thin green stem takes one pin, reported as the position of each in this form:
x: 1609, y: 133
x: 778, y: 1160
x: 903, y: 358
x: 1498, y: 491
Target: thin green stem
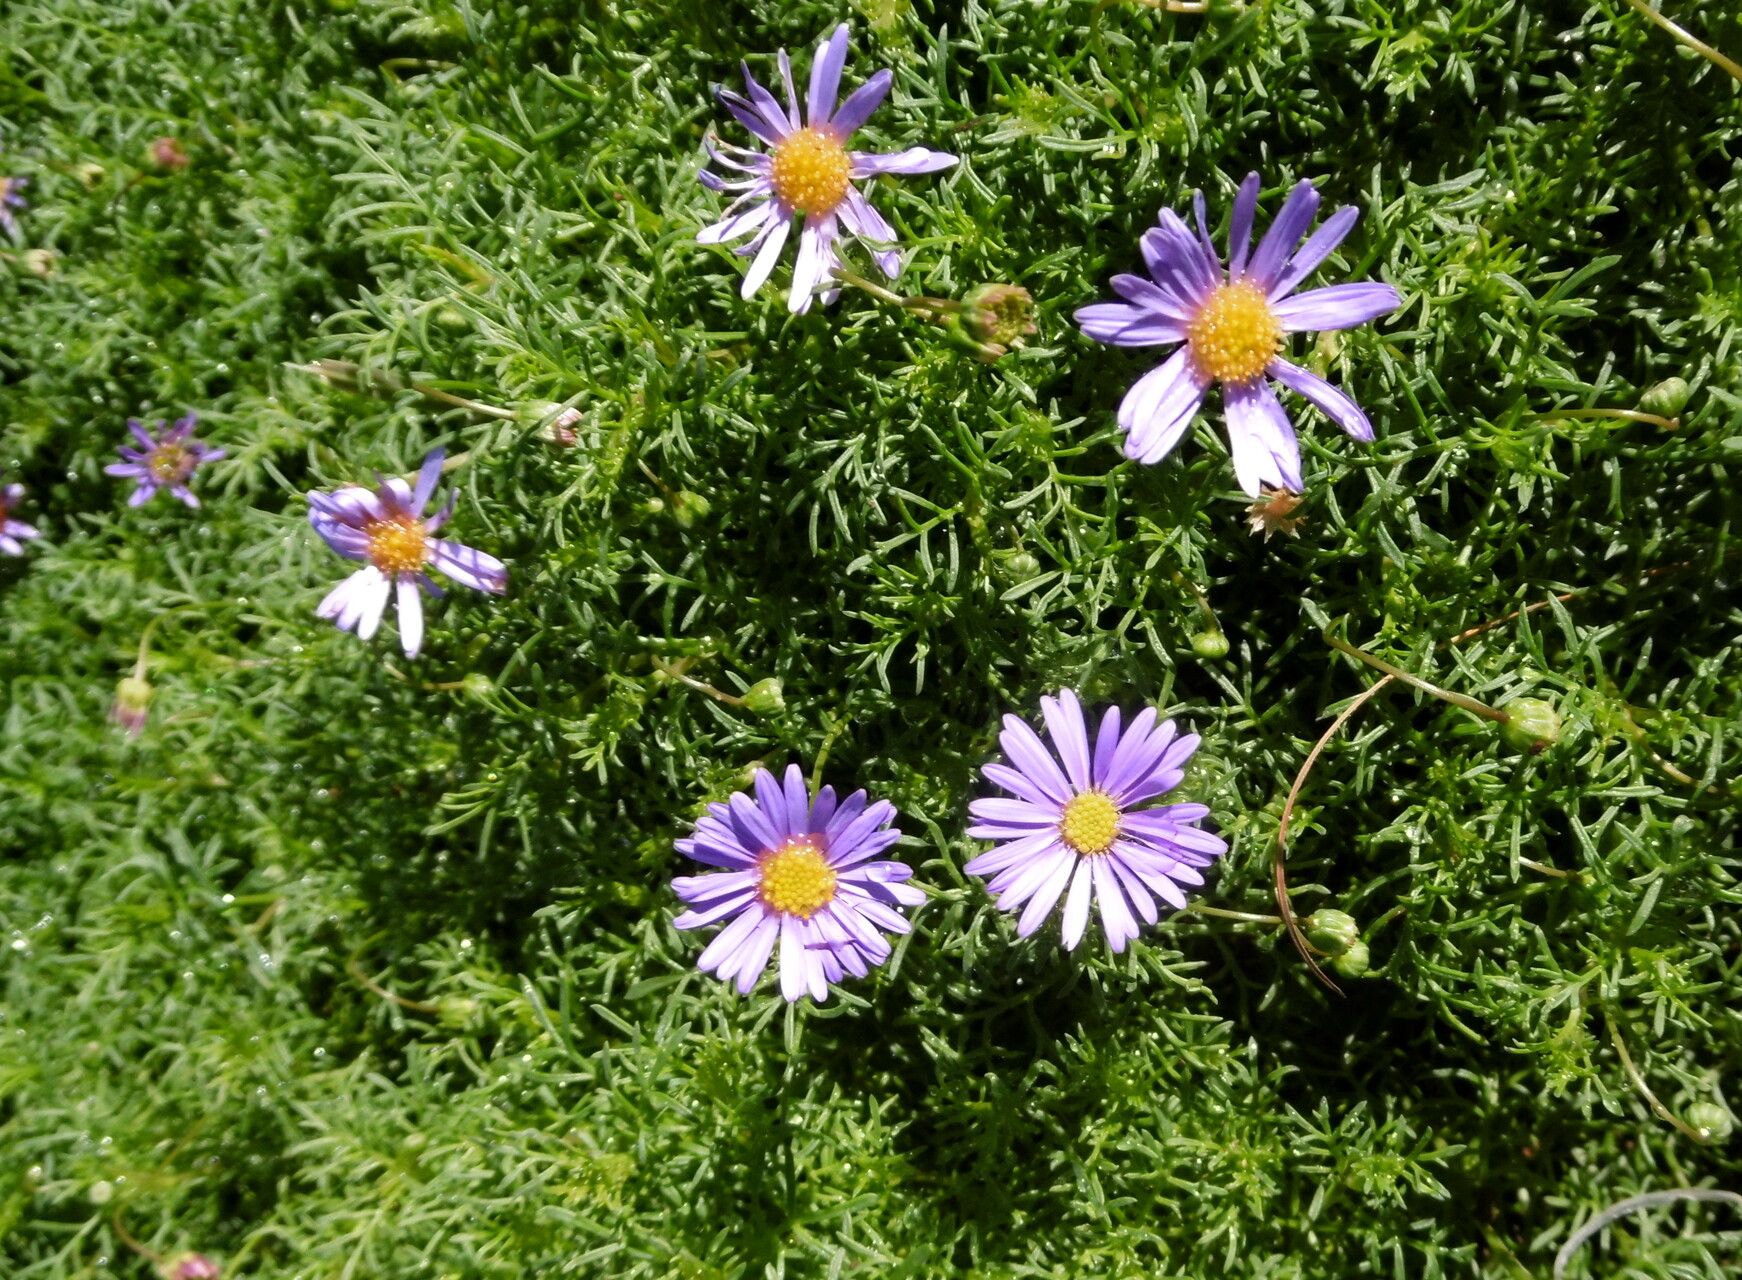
x: 1686, y: 38
x: 1474, y: 706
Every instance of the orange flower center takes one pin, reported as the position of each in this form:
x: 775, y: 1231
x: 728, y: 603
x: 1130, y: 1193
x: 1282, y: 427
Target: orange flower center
x: 397, y: 544
x: 1090, y: 822
x: 797, y: 879
x: 1235, y: 333
x: 810, y: 171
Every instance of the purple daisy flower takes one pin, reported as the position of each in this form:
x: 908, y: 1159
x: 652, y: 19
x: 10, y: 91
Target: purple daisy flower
x: 167, y: 460
x: 1233, y: 327
x: 809, y: 171
x: 13, y: 533
x: 11, y: 199
x: 387, y: 529
x: 799, y: 872
x: 1079, y: 826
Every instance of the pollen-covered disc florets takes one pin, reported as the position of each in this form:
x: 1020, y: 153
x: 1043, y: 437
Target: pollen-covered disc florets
x: 171, y: 464
x: 797, y: 879
x: 1235, y: 334
x: 397, y: 544
x: 1090, y: 822
x: 810, y: 171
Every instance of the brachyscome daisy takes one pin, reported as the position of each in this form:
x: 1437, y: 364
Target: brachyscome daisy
x: 164, y: 461
x: 1233, y: 327
x: 386, y: 529
x: 1079, y: 827
x: 799, y: 872
x: 11, y: 200
x: 13, y: 533
x: 807, y: 172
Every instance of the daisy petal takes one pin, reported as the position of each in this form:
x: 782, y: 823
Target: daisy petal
x: 1285, y: 233
x: 1337, y: 306
x: 1161, y: 405
x: 1261, y: 438
x: 1335, y: 403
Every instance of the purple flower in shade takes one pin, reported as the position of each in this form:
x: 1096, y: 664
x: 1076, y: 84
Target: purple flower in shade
x: 799, y: 872
x: 11, y: 199
x: 808, y: 171
x: 1233, y: 326
x: 1078, y: 827
x: 190, y: 1266
x: 13, y: 533
x: 386, y: 529
x: 167, y: 460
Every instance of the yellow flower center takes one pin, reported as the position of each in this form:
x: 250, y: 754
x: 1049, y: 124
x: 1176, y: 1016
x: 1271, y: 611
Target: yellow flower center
x: 1090, y: 823
x: 1235, y: 333
x: 398, y: 544
x: 810, y: 171
x: 170, y: 464
x: 797, y: 879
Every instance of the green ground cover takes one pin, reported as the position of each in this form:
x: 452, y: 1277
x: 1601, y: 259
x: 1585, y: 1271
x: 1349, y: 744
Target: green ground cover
x: 349, y: 966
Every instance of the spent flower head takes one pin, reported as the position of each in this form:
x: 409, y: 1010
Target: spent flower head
x: 168, y: 154
x: 800, y: 872
x: 166, y: 459
x: 13, y: 533
x: 387, y: 530
x: 189, y: 1266
x: 1073, y: 828
x: 1232, y: 326
x: 808, y: 173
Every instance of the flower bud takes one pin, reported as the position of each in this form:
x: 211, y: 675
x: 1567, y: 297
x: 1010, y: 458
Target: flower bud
x: 131, y: 706
x: 1210, y: 643
x: 559, y: 421
x: 765, y: 697
x: 477, y: 685
x: 91, y: 174
x: 456, y: 1012
x: 1354, y: 962
x: 688, y: 507
x: 40, y: 262
x: 1667, y: 398
x: 1713, y: 1121
x: 167, y: 154
x: 1333, y: 932
x: 1531, y: 725
x: 189, y: 1266
x: 999, y: 314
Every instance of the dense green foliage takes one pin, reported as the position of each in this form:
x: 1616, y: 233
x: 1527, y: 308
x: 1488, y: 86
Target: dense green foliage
x: 354, y: 967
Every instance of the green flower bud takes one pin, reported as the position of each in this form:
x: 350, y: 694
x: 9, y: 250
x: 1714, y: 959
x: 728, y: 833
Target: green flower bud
x: 1713, y: 1121
x: 688, y: 507
x: 1667, y: 398
x: 765, y: 697
x: 1354, y: 962
x: 1018, y: 566
x: 91, y: 174
x: 131, y: 706
x: 1531, y: 725
x: 40, y: 262
x: 478, y: 685
x: 1333, y: 932
x: 456, y: 1012
x: 1210, y: 644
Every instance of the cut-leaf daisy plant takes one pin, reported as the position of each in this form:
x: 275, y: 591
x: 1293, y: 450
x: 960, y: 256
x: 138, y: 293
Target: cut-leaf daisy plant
x: 13, y: 533
x: 165, y: 460
x: 1074, y: 825
x: 800, y: 872
x: 1232, y: 326
x: 386, y: 529
x: 807, y: 173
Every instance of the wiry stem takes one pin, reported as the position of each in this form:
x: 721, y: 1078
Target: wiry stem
x: 1684, y: 37
x: 1657, y: 1108
x: 1474, y: 706
x: 1629, y: 415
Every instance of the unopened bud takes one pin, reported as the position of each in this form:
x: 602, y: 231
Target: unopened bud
x: 91, y: 174
x: 167, y: 154
x: 688, y: 507
x: 1667, y: 398
x: 999, y: 314
x: 765, y: 697
x: 1531, y: 725
x: 189, y: 1266
x: 1331, y: 931
x: 40, y: 262
x: 1210, y: 643
x: 456, y: 1012
x: 477, y: 685
x: 131, y: 706
x: 1713, y: 1120
x: 1354, y: 962
x: 559, y: 422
